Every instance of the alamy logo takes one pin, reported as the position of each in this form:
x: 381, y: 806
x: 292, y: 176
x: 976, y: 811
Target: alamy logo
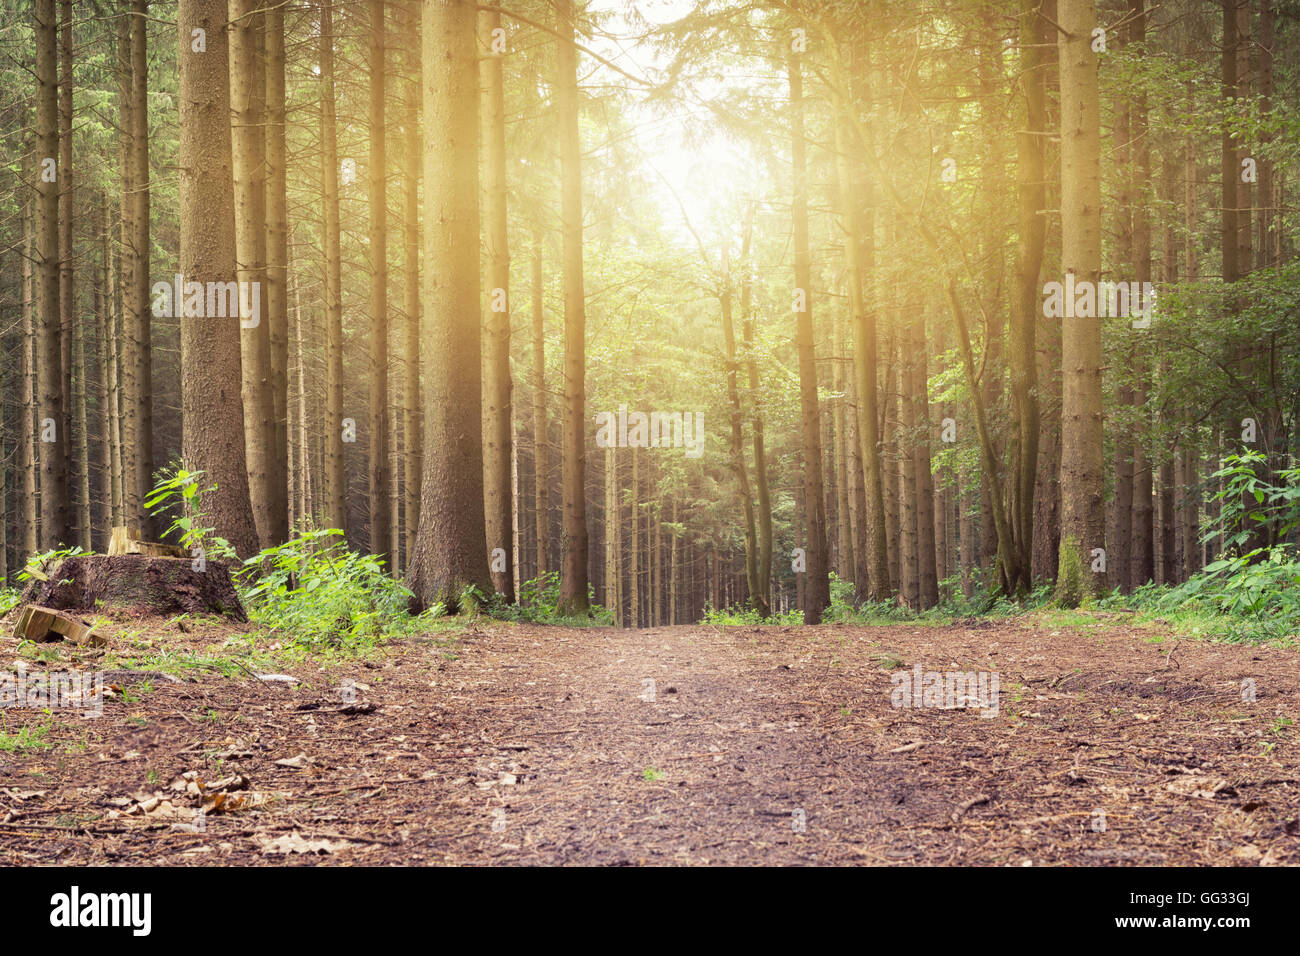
x: 103, y: 909
x: 655, y: 430
x: 213, y: 300
x: 48, y: 690
x: 946, y: 690
x: 1090, y: 300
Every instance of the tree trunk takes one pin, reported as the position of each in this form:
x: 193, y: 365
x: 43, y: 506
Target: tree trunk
x: 738, y: 466
x: 412, y: 430
x: 817, y: 595
x: 923, y: 480
x: 450, y: 554
x: 103, y: 334
x: 909, y: 583
x: 211, y: 408
x: 541, y: 440
x: 71, y: 341
x: 634, y: 553
x: 379, y: 475
x: 497, y: 415
x: 247, y: 99
x: 844, y: 516
x: 137, y: 359
x: 1082, y: 515
x: 52, y: 412
x: 1142, y: 567
x: 573, y: 590
x: 762, y: 597
x: 335, y: 476
x: 1023, y: 360
x: 277, y: 268
x: 29, y: 517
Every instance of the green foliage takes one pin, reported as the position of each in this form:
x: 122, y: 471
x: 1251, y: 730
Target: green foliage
x: 1243, y: 596
x: 45, y: 561
x: 539, y: 602
x: 1275, y: 508
x: 24, y: 738
x: 179, y: 493
x: 316, y: 592
x: 732, y: 616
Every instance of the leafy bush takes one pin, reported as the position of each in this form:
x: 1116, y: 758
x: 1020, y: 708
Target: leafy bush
x: 732, y: 616
x: 1260, y: 587
x: 539, y: 602
x: 317, y: 592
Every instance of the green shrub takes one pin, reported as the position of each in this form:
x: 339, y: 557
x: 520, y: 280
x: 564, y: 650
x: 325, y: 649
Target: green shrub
x: 539, y: 601
x: 315, y: 591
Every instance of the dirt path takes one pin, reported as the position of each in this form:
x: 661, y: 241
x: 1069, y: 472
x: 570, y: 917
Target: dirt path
x: 535, y: 745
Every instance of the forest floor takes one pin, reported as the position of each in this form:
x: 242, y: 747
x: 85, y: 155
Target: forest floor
x: 524, y: 744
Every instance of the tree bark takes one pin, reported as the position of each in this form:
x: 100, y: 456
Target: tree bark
x: 412, y: 429
x: 137, y: 316
x: 817, y: 595
x: 29, y: 516
x: 450, y: 554
x: 277, y: 268
x: 212, y: 411
x: 381, y: 517
x: 335, y: 477
x: 52, y: 411
x: 497, y: 414
x: 541, y: 439
x: 1082, y: 516
x: 573, y: 588
x: 248, y: 139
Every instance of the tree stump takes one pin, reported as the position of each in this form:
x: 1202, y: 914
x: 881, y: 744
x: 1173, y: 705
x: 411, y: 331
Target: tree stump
x: 157, y: 585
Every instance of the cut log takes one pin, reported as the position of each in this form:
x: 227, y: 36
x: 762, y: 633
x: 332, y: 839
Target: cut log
x: 127, y: 541
x: 42, y: 624
x: 154, y: 585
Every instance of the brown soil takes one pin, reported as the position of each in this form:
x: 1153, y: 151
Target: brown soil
x: 536, y: 745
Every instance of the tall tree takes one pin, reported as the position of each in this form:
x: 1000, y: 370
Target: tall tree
x: 817, y: 595
x: 70, y: 330
x: 450, y: 554
x: 29, y: 515
x: 137, y: 316
x: 247, y: 108
x: 1031, y: 235
x: 381, y: 517
x: 52, y: 413
x: 1082, y: 517
x: 412, y: 431
x: 541, y: 439
x: 763, y: 599
x: 336, y: 515
x: 211, y: 406
x: 574, y: 600
x: 277, y: 269
x: 1142, y: 567
x: 497, y: 417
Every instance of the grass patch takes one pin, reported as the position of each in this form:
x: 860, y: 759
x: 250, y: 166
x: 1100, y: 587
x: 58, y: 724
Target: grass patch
x: 27, y: 738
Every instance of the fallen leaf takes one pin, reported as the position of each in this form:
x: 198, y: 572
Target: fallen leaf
x: 1198, y: 786
x: 298, y: 761
x: 296, y: 843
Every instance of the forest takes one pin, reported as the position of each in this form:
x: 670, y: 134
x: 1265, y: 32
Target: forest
x: 831, y: 338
